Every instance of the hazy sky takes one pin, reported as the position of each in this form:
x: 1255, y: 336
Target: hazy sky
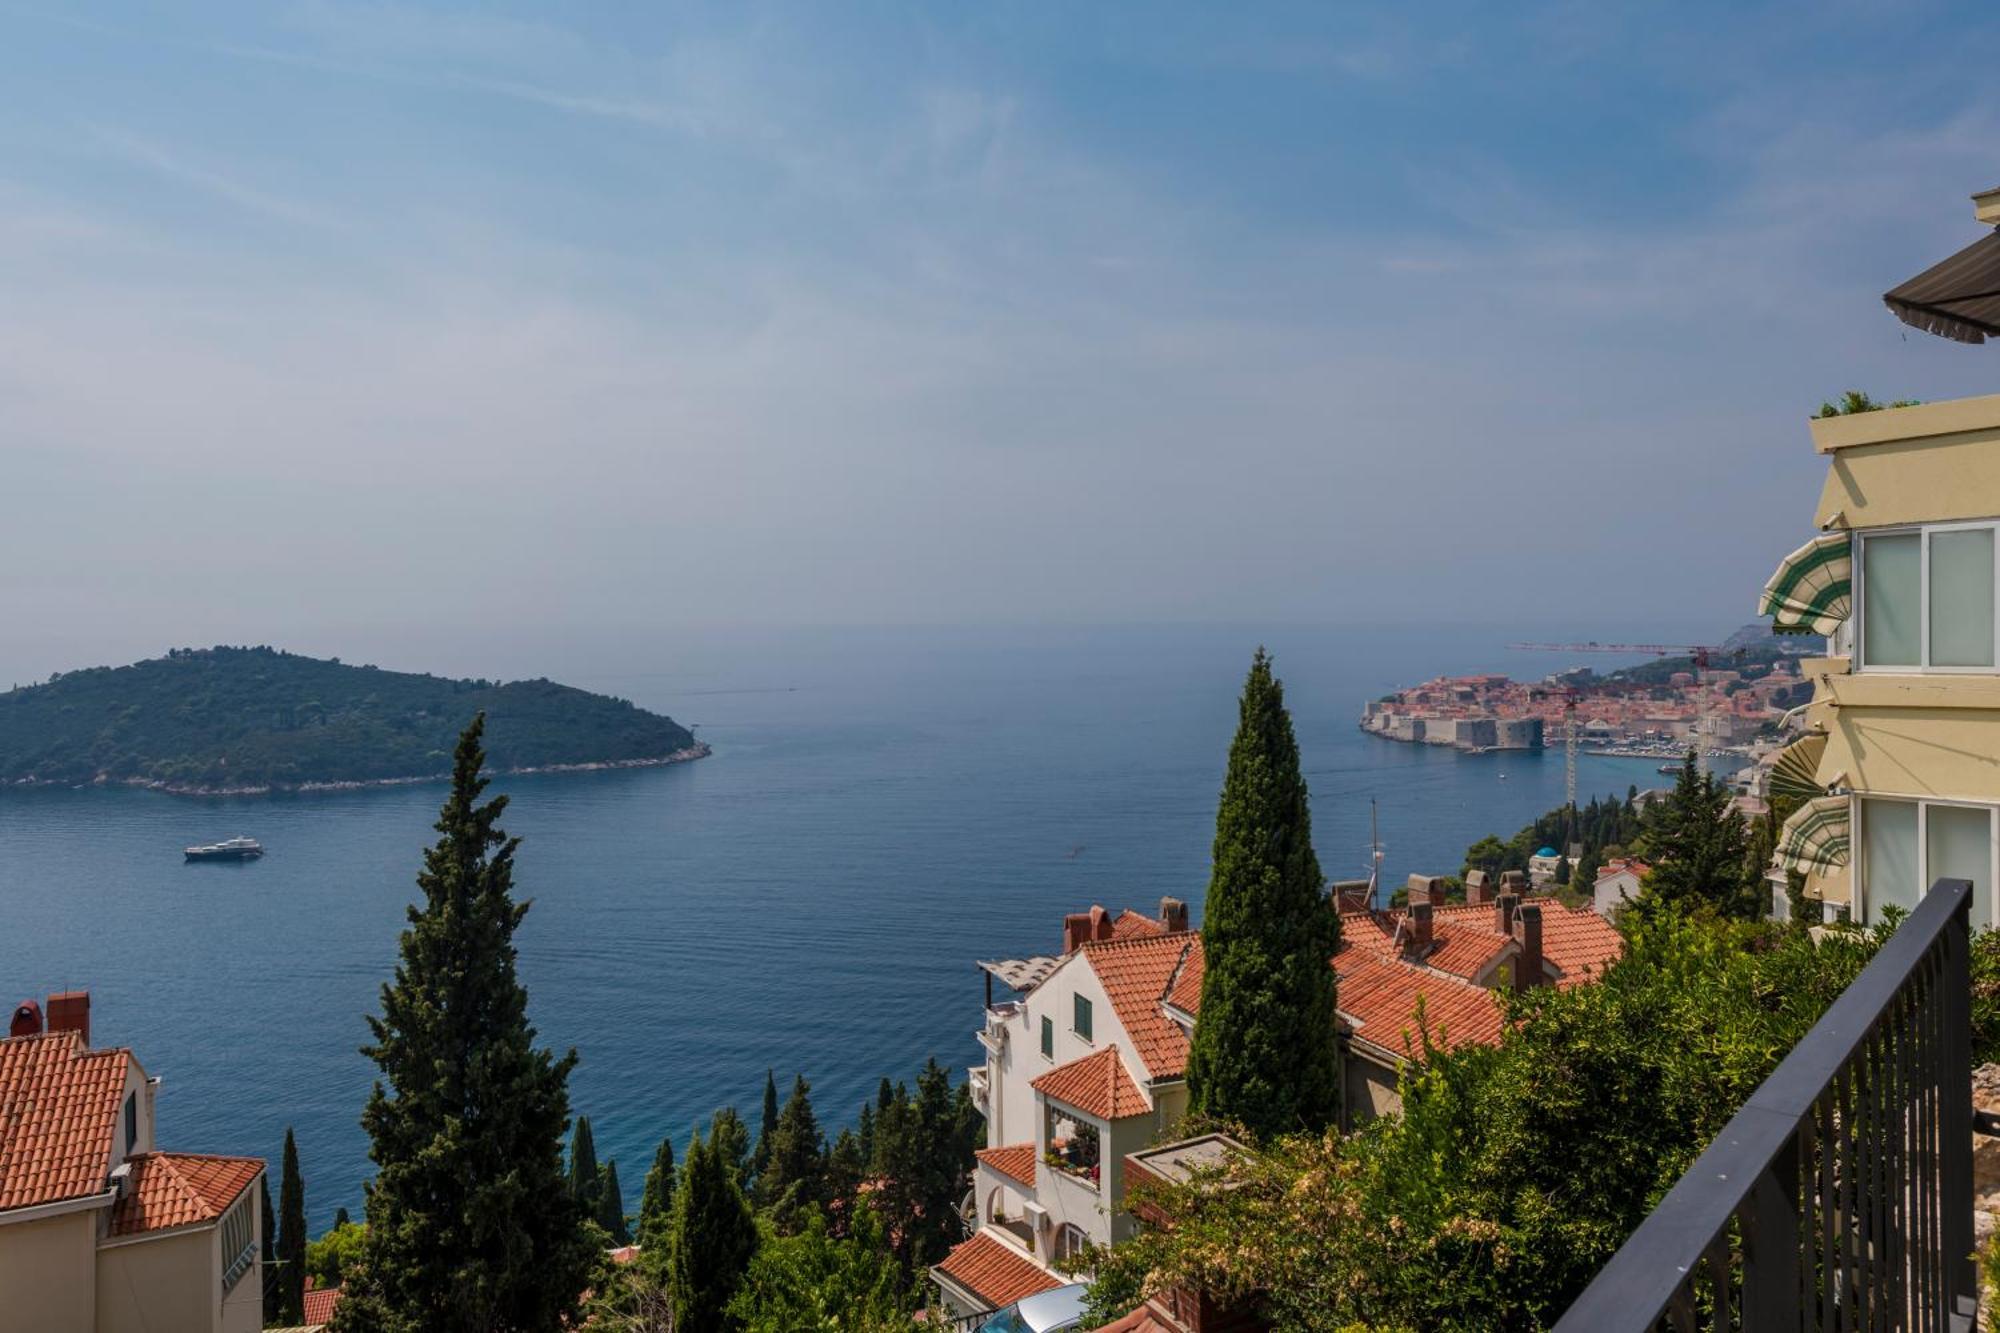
x: 318, y: 315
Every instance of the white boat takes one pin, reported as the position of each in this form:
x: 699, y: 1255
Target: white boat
x: 233, y: 849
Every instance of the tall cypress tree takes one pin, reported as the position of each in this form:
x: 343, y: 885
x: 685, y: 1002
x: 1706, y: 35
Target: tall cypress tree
x: 611, y: 1206
x: 471, y: 1225
x: 714, y: 1239
x: 656, y: 1206
x: 586, y: 1181
x: 794, y: 1179
x: 291, y: 1238
x: 730, y: 1138
x: 1264, y: 1051
x: 766, y: 1126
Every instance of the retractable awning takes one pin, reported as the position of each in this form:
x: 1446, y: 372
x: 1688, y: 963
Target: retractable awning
x: 1815, y: 837
x: 1812, y: 591
x: 1792, y: 776
x: 1957, y: 299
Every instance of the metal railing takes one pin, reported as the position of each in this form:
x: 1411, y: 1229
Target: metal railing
x: 1840, y: 1196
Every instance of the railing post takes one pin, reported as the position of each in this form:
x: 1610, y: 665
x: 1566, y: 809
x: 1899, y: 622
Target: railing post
x: 1955, y: 1122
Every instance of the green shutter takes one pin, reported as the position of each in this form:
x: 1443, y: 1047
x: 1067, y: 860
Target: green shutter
x: 1083, y: 1017
x: 1048, y: 1036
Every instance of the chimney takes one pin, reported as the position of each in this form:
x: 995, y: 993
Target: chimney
x: 1100, y: 922
x: 1350, y: 895
x: 69, y: 1011
x: 27, y: 1020
x: 1514, y: 881
x: 1528, y: 930
x: 1173, y: 914
x: 1504, y: 915
x: 1422, y: 930
x: 1417, y: 888
x: 1478, y: 888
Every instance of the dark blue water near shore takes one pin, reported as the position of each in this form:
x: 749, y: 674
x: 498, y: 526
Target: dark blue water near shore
x: 882, y: 807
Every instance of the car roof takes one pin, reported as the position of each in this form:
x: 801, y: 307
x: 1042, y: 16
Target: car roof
x: 1048, y: 1309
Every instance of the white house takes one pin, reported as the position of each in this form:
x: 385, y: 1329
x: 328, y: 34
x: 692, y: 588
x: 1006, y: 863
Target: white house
x: 1618, y: 883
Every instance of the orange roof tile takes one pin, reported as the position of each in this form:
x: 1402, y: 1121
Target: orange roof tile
x: 1141, y: 1320
x: 994, y: 1271
x: 1136, y: 925
x: 171, y: 1189
x: 1096, y: 1084
x: 1016, y: 1161
x: 1134, y: 973
x: 320, y: 1303
x: 59, y: 1105
x: 1185, y: 994
x: 1578, y: 941
x: 1465, y: 941
x: 1379, y: 996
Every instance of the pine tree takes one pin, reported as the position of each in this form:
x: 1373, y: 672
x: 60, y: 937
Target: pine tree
x: 1699, y: 847
x: 793, y: 1182
x: 846, y: 1164
x: 714, y: 1239
x: 470, y: 1225
x: 1264, y: 1051
x: 765, y: 1128
x: 864, y: 1134
x: 731, y: 1140
x: 291, y: 1238
x: 656, y: 1206
x: 586, y: 1181
x: 611, y: 1206
x: 939, y: 1167
x: 270, y: 1254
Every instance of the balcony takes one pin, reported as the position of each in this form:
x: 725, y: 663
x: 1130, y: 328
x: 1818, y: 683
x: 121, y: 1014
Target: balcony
x: 993, y: 1034
x: 1840, y: 1196
x: 975, y: 1082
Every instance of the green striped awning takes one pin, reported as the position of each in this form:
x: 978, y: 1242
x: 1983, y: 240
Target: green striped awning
x: 1793, y: 775
x: 1815, y: 838
x: 1811, y: 592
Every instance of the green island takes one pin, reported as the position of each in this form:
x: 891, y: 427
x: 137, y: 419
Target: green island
x: 210, y: 721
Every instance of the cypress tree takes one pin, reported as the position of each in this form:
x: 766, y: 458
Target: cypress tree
x: 938, y: 1168
x: 1264, y: 1052
x: 291, y: 1238
x: 731, y: 1140
x: 656, y: 1207
x: 586, y: 1181
x: 714, y: 1239
x: 611, y: 1206
x: 794, y: 1179
x: 765, y: 1128
x: 470, y: 1224
x: 340, y: 1218
x: 864, y: 1134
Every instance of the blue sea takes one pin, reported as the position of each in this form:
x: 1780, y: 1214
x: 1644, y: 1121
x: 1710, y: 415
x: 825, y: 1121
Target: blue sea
x: 883, y: 807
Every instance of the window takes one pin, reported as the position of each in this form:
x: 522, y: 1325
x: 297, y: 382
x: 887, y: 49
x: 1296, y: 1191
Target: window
x: 1070, y: 1240
x: 1908, y: 845
x: 131, y: 1122
x: 1048, y: 1037
x: 1927, y: 598
x: 1082, y: 1020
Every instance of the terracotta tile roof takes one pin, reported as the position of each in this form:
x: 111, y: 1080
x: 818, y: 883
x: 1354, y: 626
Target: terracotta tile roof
x: 994, y: 1271
x: 1015, y: 1161
x: 320, y: 1303
x: 171, y: 1189
x: 1619, y: 864
x: 1134, y: 973
x: 59, y: 1105
x: 1096, y: 1084
x: 1141, y: 1320
x: 1578, y: 941
x: 1379, y: 996
x: 1466, y: 941
x: 1185, y: 994
x: 1136, y: 925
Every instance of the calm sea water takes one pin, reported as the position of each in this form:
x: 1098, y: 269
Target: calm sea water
x: 882, y: 808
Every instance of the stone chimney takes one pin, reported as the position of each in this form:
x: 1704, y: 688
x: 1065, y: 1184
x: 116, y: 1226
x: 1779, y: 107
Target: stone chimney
x: 1173, y: 914
x: 1504, y: 908
x: 1528, y: 931
x: 1514, y: 881
x: 69, y: 1011
x: 1350, y: 895
x: 1418, y: 889
x: 1422, y: 928
x: 1478, y: 888
x: 27, y: 1020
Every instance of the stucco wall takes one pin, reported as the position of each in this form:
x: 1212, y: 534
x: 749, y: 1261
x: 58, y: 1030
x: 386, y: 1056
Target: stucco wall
x: 47, y: 1281
x: 1935, y: 462
x: 1370, y: 1088
x: 167, y: 1285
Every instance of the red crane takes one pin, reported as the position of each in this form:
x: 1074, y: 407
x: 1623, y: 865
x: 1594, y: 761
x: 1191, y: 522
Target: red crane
x: 1700, y: 652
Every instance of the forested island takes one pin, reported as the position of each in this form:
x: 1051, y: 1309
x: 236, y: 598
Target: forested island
x: 208, y: 721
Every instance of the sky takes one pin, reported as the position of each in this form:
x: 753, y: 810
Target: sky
x: 325, y: 323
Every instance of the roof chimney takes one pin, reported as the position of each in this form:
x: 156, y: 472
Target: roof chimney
x: 69, y: 1011
x: 1514, y: 881
x: 27, y: 1020
x: 1417, y: 888
x: 1350, y: 895
x: 1422, y: 928
x: 1503, y: 916
x: 1528, y: 930
x: 1478, y: 888
x: 1173, y: 914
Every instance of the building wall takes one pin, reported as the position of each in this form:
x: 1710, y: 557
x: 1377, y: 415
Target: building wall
x: 1370, y: 1087
x: 1613, y: 891
x: 48, y: 1274
x: 1931, y: 463
x: 170, y: 1284
x: 1011, y: 1098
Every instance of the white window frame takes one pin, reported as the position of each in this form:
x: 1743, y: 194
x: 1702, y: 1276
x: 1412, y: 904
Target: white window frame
x: 1859, y: 583
x: 1858, y: 861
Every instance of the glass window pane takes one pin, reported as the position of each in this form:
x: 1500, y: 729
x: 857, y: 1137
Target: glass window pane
x: 1889, y: 855
x: 1962, y: 598
x: 1960, y: 842
x: 1082, y: 1023
x: 1891, y: 568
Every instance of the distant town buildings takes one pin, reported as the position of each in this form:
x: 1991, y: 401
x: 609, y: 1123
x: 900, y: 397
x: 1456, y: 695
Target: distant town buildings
x: 100, y: 1230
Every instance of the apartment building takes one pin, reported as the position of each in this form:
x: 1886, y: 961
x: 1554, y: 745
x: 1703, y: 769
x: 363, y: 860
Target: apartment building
x: 101, y: 1231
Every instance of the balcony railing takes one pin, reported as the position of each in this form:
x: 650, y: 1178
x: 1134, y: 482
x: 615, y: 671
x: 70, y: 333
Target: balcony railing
x: 1840, y: 1196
